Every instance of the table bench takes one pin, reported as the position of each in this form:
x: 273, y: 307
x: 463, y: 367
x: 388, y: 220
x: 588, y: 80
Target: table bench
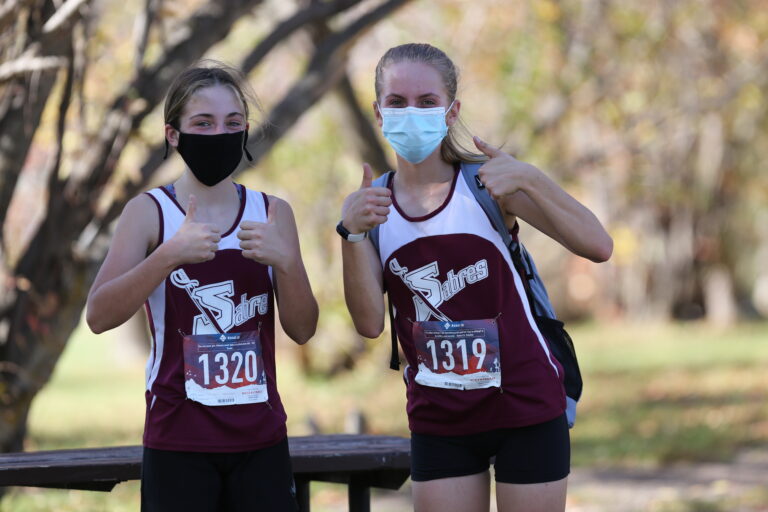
x: 359, y: 461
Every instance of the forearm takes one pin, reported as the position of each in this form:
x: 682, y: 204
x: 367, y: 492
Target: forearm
x: 115, y: 301
x: 363, y: 287
x: 574, y: 225
x: 296, y: 304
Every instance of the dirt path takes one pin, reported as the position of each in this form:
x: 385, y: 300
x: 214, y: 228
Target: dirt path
x: 740, y: 485
x: 737, y: 486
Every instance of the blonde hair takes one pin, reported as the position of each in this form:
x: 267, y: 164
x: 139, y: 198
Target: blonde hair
x: 203, y: 74
x: 451, y: 150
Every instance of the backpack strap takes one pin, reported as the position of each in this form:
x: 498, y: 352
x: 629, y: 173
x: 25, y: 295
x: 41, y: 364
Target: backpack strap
x: 537, y: 293
x: 373, y: 236
x: 538, y: 298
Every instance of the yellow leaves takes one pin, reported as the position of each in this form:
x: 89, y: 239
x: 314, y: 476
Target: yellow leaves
x: 751, y: 97
x: 626, y: 243
x: 633, y: 101
x: 547, y: 11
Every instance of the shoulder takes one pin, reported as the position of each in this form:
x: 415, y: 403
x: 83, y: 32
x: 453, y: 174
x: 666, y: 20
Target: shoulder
x: 142, y: 217
x: 280, y: 204
x: 142, y: 206
x: 282, y: 212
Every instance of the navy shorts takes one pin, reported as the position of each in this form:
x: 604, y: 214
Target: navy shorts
x: 524, y: 455
x: 211, y: 482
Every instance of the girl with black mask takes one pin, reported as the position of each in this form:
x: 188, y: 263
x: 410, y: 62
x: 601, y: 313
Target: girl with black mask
x: 209, y: 258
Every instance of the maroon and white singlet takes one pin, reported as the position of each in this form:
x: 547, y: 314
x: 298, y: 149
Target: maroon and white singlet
x: 225, y: 309
x: 476, y: 359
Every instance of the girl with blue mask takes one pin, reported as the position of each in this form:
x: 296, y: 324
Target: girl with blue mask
x: 413, y: 132
x: 497, y: 393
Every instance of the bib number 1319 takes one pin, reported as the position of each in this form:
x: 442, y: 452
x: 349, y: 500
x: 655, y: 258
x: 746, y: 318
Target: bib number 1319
x: 458, y: 355
x: 448, y: 351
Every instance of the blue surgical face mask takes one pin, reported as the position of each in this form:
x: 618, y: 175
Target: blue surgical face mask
x: 414, y: 133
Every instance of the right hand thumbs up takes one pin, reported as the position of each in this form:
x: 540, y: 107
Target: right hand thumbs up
x: 195, y: 241
x: 367, y: 176
x: 368, y: 206
x: 191, y: 209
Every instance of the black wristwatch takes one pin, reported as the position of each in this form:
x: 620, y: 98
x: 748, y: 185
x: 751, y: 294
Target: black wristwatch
x: 349, y: 237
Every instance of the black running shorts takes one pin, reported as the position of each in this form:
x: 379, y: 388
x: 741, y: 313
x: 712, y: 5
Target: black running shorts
x: 211, y: 482
x: 524, y: 455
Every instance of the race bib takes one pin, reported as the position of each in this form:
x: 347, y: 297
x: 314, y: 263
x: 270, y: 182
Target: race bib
x: 458, y: 355
x: 224, y: 369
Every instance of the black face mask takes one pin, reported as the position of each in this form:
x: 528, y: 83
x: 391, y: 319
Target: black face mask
x: 212, y: 158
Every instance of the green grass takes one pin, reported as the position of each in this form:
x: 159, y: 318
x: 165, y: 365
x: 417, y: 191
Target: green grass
x: 654, y: 395
x: 660, y: 394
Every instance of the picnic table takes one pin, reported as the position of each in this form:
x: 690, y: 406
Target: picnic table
x: 357, y: 460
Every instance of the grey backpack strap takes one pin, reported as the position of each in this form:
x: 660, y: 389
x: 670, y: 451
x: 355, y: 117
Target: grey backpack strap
x: 540, y: 300
x: 535, y: 291
x: 373, y: 236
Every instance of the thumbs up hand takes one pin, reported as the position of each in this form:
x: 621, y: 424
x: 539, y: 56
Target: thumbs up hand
x: 502, y: 174
x: 195, y: 241
x: 367, y: 207
x: 266, y: 242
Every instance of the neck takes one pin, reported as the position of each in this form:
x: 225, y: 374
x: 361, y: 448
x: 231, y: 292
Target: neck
x: 220, y: 193
x: 432, y: 170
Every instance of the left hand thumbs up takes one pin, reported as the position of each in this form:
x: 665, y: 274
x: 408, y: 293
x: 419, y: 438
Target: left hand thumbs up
x: 272, y: 213
x: 487, y: 149
x: 502, y: 174
x: 264, y: 241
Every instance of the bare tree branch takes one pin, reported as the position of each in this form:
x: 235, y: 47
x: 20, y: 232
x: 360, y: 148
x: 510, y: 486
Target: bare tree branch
x: 324, y: 71
x: 142, y: 28
x: 25, y: 65
x: 155, y: 157
x: 64, y: 14
x: 314, y: 12
x: 209, y: 25
x: 8, y: 12
x: 362, y: 132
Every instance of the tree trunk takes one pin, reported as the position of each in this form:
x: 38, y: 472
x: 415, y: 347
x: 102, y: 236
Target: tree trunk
x: 45, y: 294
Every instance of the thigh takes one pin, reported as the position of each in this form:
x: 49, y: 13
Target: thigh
x: 457, y: 494
x: 543, y: 497
x: 261, y: 481
x: 534, y: 454
x: 178, y: 481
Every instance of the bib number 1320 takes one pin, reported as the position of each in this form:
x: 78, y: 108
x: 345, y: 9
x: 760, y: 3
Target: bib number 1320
x: 224, y: 369
x: 458, y: 355
x: 245, y: 367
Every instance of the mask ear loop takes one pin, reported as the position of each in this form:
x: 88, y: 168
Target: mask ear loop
x: 450, y: 106
x: 245, y: 148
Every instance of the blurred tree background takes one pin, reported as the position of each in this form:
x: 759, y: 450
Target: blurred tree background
x: 651, y: 113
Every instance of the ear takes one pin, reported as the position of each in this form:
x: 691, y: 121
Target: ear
x: 376, y: 113
x: 453, y: 115
x: 172, y: 135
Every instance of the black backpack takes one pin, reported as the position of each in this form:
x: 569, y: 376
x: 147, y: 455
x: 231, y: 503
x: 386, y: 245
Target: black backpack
x: 553, y: 330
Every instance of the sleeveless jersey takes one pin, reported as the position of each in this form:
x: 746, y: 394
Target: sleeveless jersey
x: 451, y: 265
x: 237, y: 292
